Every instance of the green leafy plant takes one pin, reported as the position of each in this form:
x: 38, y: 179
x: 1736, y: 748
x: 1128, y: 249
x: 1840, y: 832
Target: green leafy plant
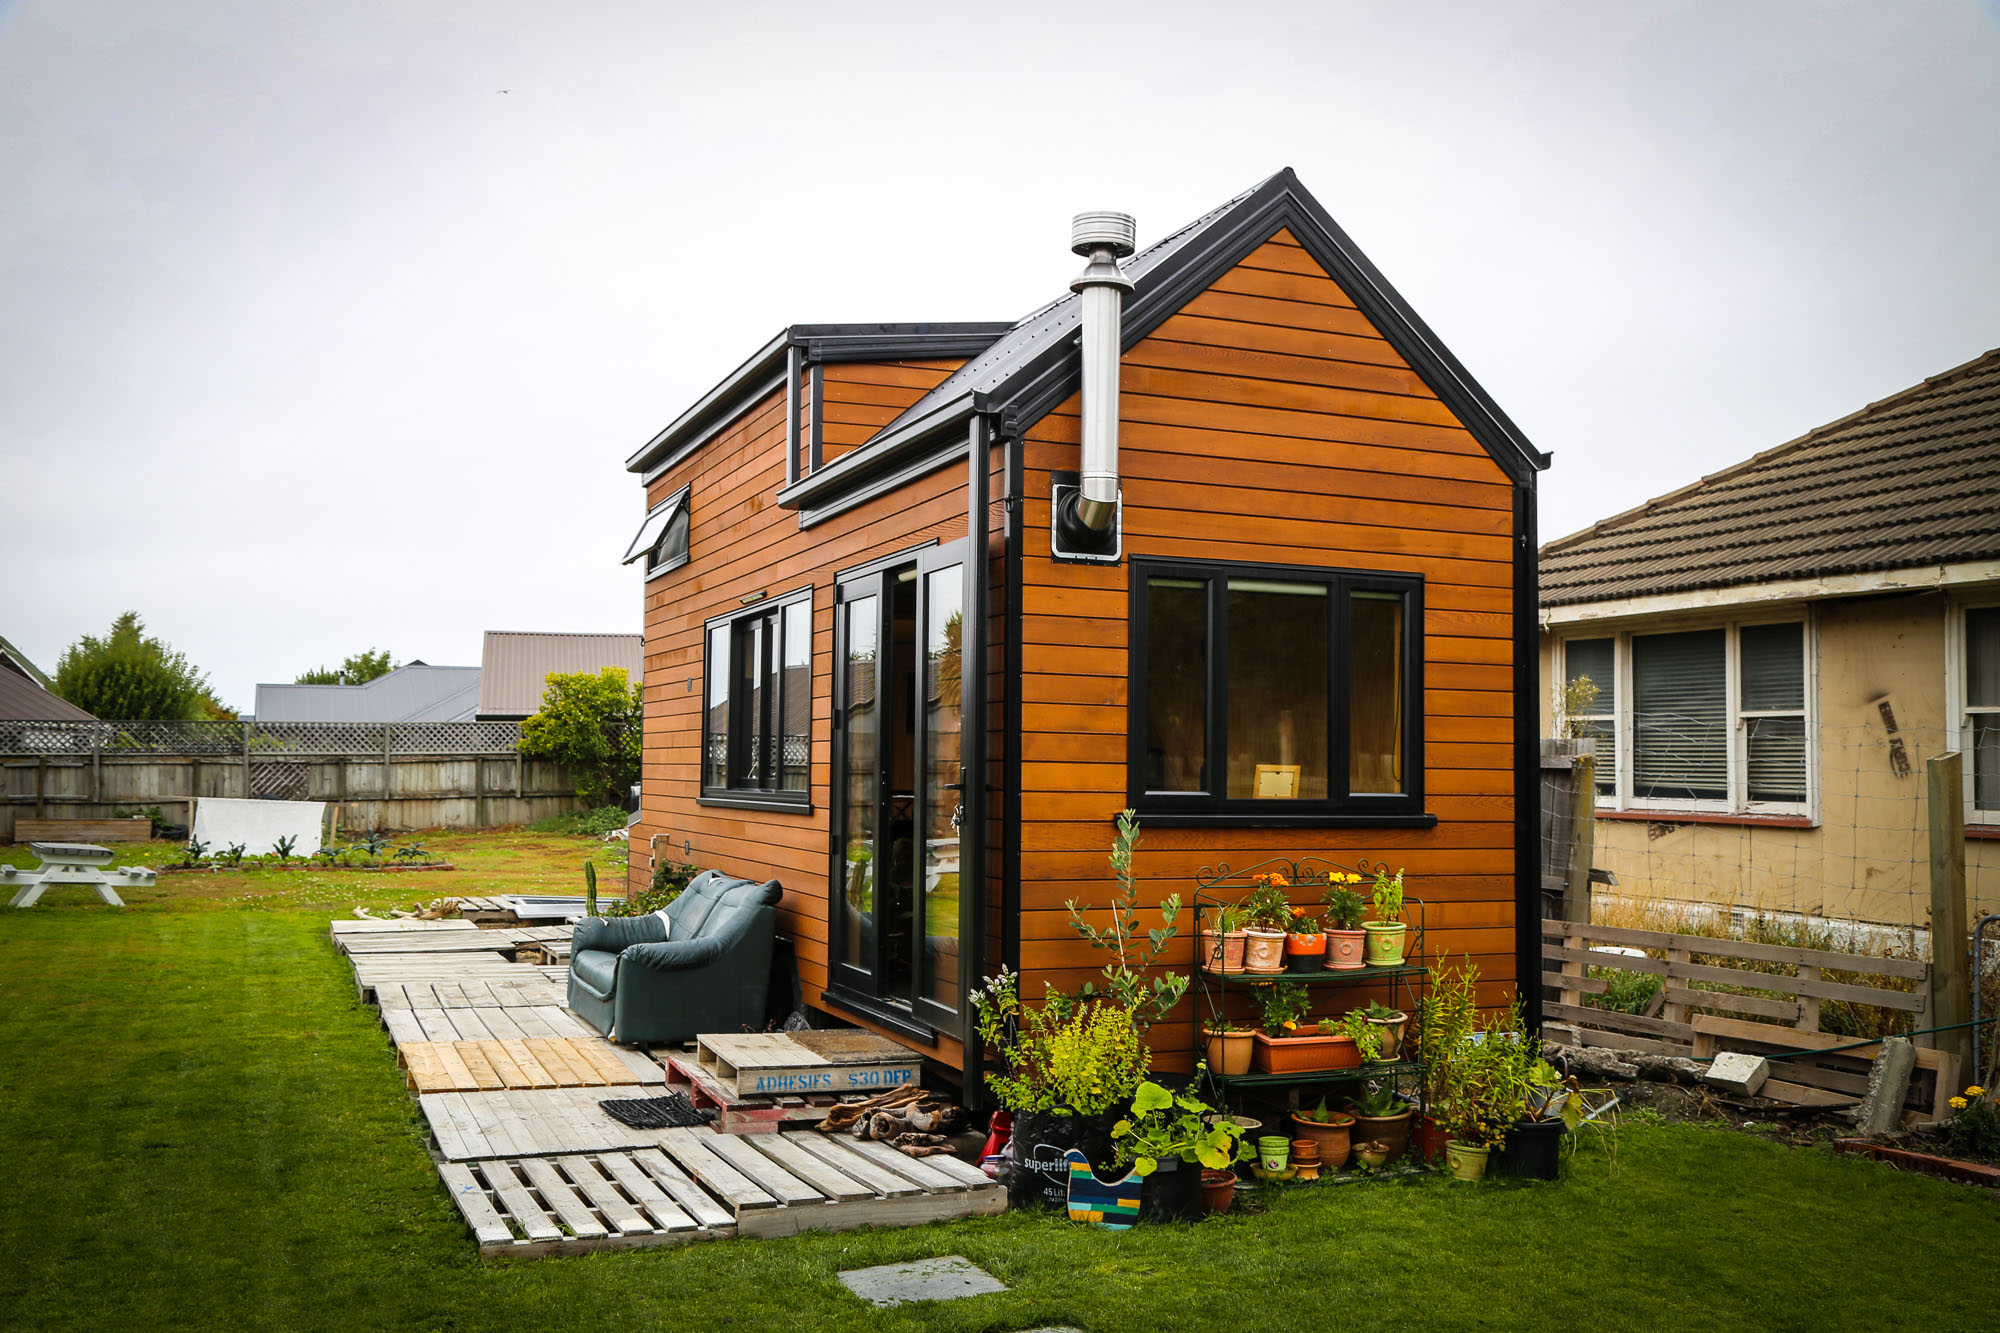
x: 589, y: 889
x: 1173, y: 1124
x: 1225, y: 919
x: 1367, y: 1037
x: 589, y: 823
x: 232, y: 855
x: 358, y: 669
x: 1974, y: 1131
x: 284, y: 848
x: 372, y: 845
x: 670, y: 880
x: 1267, y: 908
x: 1303, y: 923
x: 1388, y: 896
x: 1380, y: 1102
x: 1133, y: 951
x: 590, y: 724
x: 411, y: 851
x: 1321, y: 1114
x: 331, y: 854
x: 194, y: 853
x: 1381, y: 1012
x: 1344, y: 908
x: 1281, y: 1004
x: 1062, y: 1057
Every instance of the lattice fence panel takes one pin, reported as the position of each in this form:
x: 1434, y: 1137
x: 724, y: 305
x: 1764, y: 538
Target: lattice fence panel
x: 281, y: 781
x: 317, y: 738
x: 172, y: 737
x: 454, y: 737
x: 300, y: 739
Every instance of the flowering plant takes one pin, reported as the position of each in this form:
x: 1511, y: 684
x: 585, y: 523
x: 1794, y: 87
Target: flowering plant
x: 1975, y: 1130
x: 1388, y: 896
x: 1343, y: 909
x: 1281, y: 1005
x: 1266, y: 907
x: 1064, y: 1056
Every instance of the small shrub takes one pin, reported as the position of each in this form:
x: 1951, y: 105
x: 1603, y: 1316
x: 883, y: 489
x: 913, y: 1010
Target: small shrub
x: 1630, y: 992
x: 590, y: 823
x: 670, y: 880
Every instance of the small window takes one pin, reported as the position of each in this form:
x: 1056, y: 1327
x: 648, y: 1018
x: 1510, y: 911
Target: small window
x: 662, y: 539
x: 1590, y: 703
x: 757, y: 723
x: 1262, y: 692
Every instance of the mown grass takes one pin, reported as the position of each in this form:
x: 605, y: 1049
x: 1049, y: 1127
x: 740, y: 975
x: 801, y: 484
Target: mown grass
x: 205, y: 1129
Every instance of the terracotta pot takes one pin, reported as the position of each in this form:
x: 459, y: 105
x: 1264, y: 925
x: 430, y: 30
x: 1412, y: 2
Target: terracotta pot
x: 1432, y: 1139
x: 1218, y: 1189
x: 1229, y: 1052
x: 1385, y: 942
x: 1332, y: 1138
x: 1393, y: 1130
x: 1375, y: 1155
x: 1344, y: 950
x: 1466, y: 1163
x: 1305, y: 953
x: 1263, y: 950
x: 1305, y: 1055
x: 1224, y: 952
x: 1392, y: 1034
x: 1305, y: 1151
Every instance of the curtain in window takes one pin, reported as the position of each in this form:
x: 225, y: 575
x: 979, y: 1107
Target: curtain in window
x: 1680, y: 716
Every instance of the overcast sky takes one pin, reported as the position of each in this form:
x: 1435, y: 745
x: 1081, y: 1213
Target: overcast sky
x: 328, y: 326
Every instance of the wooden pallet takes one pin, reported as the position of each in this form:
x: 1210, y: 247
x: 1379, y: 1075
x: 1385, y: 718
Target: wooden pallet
x: 485, y: 909
x: 344, y: 929
x: 518, y: 1062
x: 696, y: 1185
x: 767, y: 1064
x: 503, y: 939
x: 744, y: 1115
x: 372, y: 971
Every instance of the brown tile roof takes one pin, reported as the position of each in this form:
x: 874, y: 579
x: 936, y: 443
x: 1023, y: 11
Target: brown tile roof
x: 1913, y: 480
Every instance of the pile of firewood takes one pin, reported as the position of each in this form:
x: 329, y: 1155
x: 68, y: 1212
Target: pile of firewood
x: 909, y: 1120
x: 439, y: 909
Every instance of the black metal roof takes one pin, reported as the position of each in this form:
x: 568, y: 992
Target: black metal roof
x: 1025, y: 374
x: 1907, y: 482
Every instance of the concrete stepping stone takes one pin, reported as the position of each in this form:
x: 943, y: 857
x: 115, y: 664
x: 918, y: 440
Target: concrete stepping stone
x: 942, y: 1279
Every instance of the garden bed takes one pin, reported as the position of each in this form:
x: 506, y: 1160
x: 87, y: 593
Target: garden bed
x: 314, y: 866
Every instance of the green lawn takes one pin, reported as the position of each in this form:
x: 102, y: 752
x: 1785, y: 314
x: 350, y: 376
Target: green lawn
x: 204, y: 1129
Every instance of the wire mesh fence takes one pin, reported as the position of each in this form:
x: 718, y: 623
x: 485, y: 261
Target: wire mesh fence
x: 218, y: 739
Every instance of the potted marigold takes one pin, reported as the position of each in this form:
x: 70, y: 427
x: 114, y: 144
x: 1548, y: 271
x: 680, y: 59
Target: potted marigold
x: 1267, y: 916
x: 1288, y: 1045
x: 1344, y: 935
x: 1305, y: 943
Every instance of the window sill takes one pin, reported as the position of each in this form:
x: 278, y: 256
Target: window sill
x: 885, y: 1015
x: 1280, y: 819
x: 776, y: 804
x: 1983, y: 832
x: 1707, y: 817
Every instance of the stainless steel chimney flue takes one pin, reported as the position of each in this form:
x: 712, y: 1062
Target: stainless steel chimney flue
x: 1104, y: 239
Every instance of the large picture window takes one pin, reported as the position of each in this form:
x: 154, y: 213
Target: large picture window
x: 757, y: 715
x: 1275, y: 694
x: 1709, y: 719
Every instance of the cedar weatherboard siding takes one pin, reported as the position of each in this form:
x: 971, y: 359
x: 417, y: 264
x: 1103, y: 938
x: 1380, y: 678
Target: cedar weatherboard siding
x: 1269, y: 423
x: 740, y: 542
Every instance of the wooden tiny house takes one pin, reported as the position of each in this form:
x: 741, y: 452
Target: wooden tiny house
x: 1309, y: 632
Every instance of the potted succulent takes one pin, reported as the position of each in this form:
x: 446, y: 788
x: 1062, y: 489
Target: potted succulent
x: 1386, y: 931
x: 1305, y: 943
x: 1222, y: 941
x: 1331, y: 1130
x: 1169, y: 1137
x: 1344, y: 935
x: 1380, y: 1116
x: 1267, y: 916
x: 1228, y: 1047
x: 1392, y: 1023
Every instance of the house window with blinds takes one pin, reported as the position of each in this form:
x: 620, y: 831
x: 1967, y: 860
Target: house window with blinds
x: 1709, y: 720
x: 1979, y: 713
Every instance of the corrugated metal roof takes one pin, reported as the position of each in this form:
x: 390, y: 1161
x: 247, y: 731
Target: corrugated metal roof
x: 516, y: 662
x: 1911, y: 481
x: 17, y: 661
x: 414, y: 693
x: 21, y: 699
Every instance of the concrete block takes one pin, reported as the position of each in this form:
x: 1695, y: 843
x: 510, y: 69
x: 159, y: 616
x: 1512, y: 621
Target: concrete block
x: 942, y: 1279
x: 1888, y: 1084
x: 1738, y: 1072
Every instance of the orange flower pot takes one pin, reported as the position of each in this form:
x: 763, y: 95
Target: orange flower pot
x: 1305, y: 1055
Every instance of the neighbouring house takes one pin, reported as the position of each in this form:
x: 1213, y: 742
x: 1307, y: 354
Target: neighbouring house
x: 27, y: 693
x: 413, y: 692
x: 514, y: 666
x: 1250, y: 552
x: 1779, y: 648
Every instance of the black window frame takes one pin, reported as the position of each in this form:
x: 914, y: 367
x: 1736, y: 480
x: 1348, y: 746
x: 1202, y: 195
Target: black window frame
x: 1404, y: 809
x: 675, y: 507
x: 737, y: 795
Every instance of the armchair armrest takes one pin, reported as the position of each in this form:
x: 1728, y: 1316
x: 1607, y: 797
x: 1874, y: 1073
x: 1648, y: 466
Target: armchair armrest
x: 615, y: 934
x: 679, y: 955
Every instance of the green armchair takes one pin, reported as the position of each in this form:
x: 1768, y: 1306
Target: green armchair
x: 637, y: 981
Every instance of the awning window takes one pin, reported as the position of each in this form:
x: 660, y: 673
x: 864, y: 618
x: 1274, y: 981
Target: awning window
x: 663, y: 536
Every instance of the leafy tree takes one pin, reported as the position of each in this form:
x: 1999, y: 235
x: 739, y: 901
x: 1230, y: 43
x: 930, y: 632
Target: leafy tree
x: 590, y: 725
x: 359, y: 669
x: 130, y: 676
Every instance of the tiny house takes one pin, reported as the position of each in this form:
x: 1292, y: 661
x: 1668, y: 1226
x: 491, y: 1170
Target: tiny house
x: 1223, y: 535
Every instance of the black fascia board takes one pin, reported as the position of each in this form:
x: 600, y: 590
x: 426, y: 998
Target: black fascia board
x: 857, y: 466
x: 1281, y: 203
x: 828, y: 342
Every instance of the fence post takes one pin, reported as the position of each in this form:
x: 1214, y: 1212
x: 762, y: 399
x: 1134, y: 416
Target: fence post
x: 41, y: 784
x: 1582, y: 837
x: 1951, y: 976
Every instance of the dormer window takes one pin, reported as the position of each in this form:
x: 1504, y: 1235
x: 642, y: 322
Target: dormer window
x: 663, y: 538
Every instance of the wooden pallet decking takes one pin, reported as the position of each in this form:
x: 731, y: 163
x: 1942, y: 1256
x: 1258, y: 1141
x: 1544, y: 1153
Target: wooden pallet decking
x: 503, y: 939
x: 447, y: 969
x: 376, y: 926
x: 496, y: 1063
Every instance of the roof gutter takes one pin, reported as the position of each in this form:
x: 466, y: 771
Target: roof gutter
x: 1922, y: 578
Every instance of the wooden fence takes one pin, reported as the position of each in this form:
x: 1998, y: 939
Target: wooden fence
x: 1782, y: 1015
x: 380, y: 790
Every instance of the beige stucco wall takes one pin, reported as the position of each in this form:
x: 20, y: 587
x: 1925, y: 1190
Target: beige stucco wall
x: 1868, y: 858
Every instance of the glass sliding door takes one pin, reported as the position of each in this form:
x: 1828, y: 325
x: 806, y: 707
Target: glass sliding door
x: 895, y: 913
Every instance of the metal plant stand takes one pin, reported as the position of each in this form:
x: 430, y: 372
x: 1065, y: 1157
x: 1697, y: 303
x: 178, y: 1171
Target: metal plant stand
x: 73, y: 865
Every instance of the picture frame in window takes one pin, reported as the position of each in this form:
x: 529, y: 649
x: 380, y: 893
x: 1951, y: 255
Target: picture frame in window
x: 1277, y: 781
